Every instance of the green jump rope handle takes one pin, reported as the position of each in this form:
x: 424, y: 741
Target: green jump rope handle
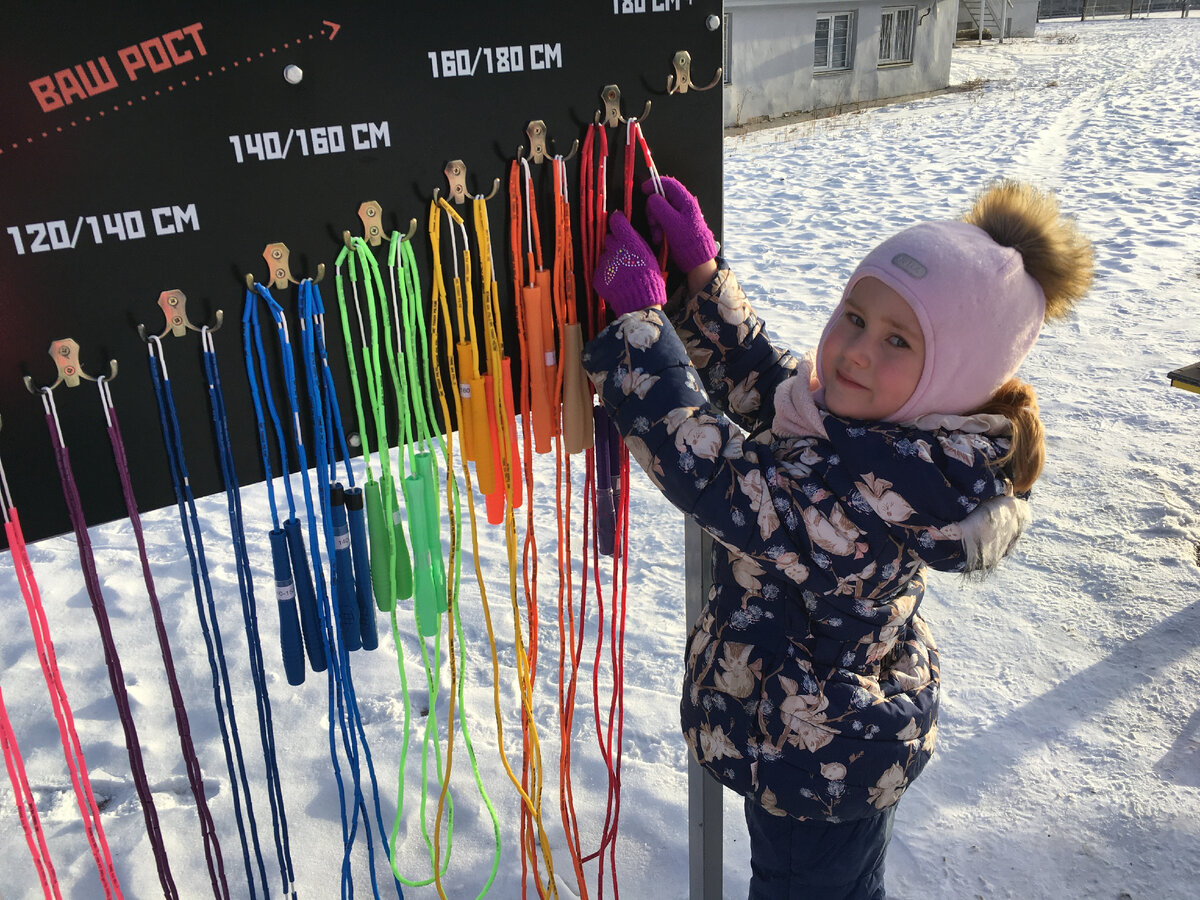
x: 424, y: 602
x: 433, y: 527
x: 404, y: 578
x: 381, y: 580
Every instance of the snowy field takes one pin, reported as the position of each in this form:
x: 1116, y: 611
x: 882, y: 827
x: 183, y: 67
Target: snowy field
x: 1069, y: 751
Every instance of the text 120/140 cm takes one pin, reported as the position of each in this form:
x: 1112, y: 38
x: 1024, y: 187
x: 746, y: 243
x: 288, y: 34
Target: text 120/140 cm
x: 319, y: 141
x: 40, y: 237
x: 496, y: 60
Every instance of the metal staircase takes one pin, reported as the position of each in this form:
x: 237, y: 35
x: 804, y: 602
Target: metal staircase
x: 993, y: 13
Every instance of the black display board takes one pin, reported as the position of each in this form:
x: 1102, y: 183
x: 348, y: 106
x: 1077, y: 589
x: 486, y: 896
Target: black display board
x: 162, y: 148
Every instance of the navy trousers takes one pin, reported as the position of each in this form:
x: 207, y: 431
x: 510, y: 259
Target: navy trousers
x: 792, y: 859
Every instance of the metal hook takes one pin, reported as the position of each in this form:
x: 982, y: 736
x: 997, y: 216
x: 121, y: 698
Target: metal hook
x: 174, y: 307
x: 65, y: 354
x: 456, y: 175
x: 681, y: 81
x: 536, y: 130
x: 277, y: 256
x: 611, y: 95
x: 370, y: 213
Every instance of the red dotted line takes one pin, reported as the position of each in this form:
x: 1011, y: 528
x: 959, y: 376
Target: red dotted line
x: 262, y: 54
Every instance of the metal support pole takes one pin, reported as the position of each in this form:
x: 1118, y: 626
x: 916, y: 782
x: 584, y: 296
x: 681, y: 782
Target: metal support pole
x: 705, y: 827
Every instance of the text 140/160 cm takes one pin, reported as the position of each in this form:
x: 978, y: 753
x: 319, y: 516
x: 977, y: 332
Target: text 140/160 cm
x: 318, y: 141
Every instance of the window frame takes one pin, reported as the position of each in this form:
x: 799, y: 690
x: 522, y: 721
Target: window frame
x: 851, y: 19
x: 889, y: 18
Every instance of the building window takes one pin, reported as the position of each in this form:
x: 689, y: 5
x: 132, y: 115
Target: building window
x: 833, y: 47
x: 896, y: 35
x: 727, y: 49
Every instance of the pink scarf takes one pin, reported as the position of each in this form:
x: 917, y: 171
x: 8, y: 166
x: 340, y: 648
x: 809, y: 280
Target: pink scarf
x: 796, y: 413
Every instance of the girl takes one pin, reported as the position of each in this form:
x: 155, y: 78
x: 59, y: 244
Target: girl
x: 830, y: 482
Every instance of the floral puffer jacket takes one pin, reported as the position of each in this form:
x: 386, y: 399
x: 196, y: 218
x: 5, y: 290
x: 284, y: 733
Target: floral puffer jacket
x: 811, y: 681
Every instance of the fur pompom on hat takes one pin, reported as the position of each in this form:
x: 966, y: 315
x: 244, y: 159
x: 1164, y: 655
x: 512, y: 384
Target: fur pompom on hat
x: 981, y: 289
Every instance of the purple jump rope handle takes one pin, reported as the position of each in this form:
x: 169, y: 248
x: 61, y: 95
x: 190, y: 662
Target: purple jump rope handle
x: 606, y: 513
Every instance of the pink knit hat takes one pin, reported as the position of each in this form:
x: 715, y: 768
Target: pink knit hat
x: 980, y: 311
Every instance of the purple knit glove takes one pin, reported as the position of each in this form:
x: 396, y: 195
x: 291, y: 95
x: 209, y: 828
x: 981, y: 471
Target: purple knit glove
x: 677, y: 217
x: 627, y: 273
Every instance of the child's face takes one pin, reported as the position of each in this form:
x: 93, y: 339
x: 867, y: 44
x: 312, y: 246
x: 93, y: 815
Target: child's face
x: 873, y: 356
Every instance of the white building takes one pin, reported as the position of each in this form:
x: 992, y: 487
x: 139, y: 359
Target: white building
x: 790, y: 56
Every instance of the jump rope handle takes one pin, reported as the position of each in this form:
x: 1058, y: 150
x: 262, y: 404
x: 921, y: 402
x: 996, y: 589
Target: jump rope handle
x: 493, y: 490
x: 355, y: 508
x: 615, y: 446
x: 470, y: 398
x: 381, y: 582
x: 306, y: 596
x: 343, y: 572
x: 404, y: 578
x: 484, y: 424
x: 433, y: 527
x: 514, y: 451
x: 289, y: 624
x: 577, y: 426
x: 424, y: 603
x: 606, y: 511
x: 532, y: 304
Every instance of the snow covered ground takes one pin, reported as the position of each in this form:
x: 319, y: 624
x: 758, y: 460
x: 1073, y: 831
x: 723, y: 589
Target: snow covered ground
x: 1069, y: 753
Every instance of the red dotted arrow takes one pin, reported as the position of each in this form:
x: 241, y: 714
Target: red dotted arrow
x: 332, y: 29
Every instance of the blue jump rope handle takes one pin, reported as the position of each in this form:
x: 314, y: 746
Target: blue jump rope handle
x: 362, y: 568
x: 306, y: 597
x: 344, y: 572
x: 289, y: 625
x: 606, y: 512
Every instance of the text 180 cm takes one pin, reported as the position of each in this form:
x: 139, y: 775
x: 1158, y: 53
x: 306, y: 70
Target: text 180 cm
x: 495, y: 60
x: 641, y: 6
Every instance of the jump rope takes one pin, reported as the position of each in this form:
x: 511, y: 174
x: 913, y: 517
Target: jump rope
x: 72, y: 750
x: 249, y: 611
x: 27, y: 809
x: 341, y: 698
x: 423, y: 578
x: 111, y: 658
x: 206, y: 611
x: 607, y: 504
x: 548, y: 391
x: 434, y: 589
x: 540, y: 424
x: 31, y: 822
x: 421, y: 494
x: 530, y: 794
x: 212, y: 847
